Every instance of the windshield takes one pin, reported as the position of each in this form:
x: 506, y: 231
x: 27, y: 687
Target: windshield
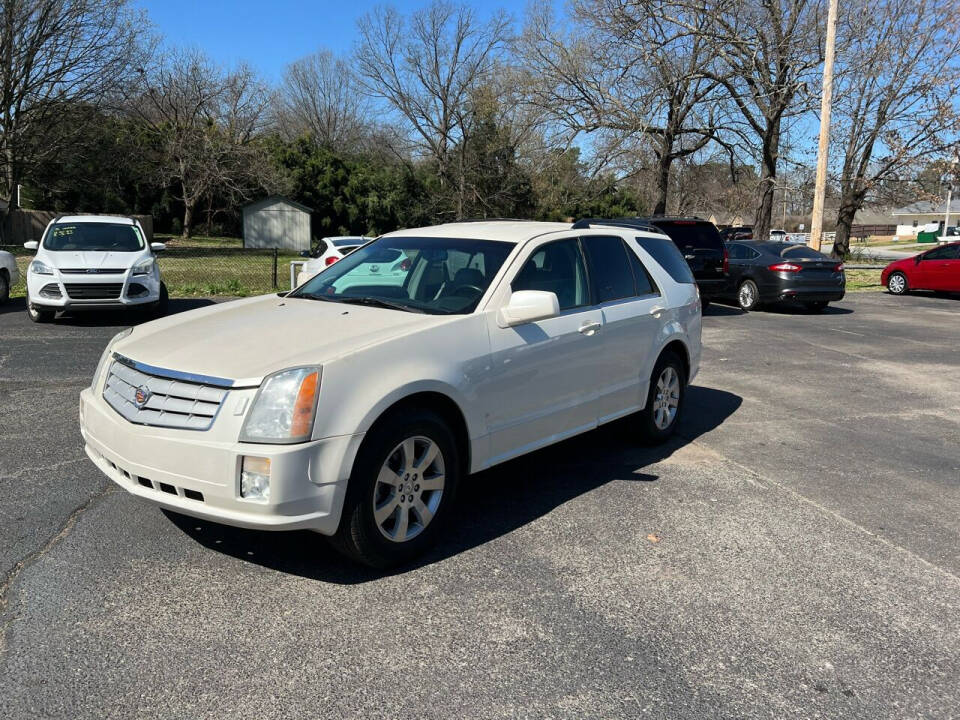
x: 441, y: 276
x: 107, y: 237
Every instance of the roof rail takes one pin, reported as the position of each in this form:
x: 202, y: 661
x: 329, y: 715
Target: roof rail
x: 493, y: 219
x: 638, y: 224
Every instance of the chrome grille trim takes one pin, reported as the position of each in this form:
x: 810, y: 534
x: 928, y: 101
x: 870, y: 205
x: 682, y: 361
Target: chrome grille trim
x: 172, y: 403
x: 195, y: 378
x: 92, y: 271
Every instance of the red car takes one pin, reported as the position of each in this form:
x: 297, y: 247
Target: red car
x: 937, y: 269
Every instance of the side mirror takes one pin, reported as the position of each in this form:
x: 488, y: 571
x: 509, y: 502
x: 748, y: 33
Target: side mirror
x: 527, y: 306
x: 917, y: 259
x: 157, y: 247
x: 31, y: 245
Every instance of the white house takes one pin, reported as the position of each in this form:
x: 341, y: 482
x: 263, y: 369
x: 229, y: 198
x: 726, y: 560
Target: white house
x: 911, y: 219
x: 276, y: 222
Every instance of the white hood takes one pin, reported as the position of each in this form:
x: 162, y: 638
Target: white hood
x: 247, y: 339
x: 92, y: 259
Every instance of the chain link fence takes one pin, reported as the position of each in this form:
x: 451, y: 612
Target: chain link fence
x: 201, y: 271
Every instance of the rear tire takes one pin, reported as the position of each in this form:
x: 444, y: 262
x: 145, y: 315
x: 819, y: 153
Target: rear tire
x: 748, y: 295
x: 897, y: 284
x: 4, y: 287
x: 403, y: 485
x: 816, y: 307
x: 661, y: 414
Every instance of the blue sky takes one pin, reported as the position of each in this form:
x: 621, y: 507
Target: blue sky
x: 269, y: 35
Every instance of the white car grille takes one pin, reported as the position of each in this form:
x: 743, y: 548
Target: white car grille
x: 153, y: 400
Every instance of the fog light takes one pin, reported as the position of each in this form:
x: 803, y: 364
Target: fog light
x: 255, y: 478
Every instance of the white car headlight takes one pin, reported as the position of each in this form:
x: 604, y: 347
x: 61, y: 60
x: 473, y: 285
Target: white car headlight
x: 144, y: 267
x: 106, y: 356
x: 39, y: 268
x: 284, y: 408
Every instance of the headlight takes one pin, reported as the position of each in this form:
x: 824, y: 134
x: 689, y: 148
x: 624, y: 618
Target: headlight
x: 106, y: 356
x: 284, y: 408
x: 144, y: 267
x: 39, y: 268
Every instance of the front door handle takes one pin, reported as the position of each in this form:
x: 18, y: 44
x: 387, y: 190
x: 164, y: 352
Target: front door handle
x: 657, y: 309
x: 589, y: 328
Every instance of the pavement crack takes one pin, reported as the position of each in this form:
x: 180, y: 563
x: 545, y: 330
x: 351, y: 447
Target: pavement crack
x: 758, y: 479
x: 22, y: 471
x: 34, y: 557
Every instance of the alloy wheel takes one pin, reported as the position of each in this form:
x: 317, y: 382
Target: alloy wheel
x: 747, y: 295
x: 408, y: 489
x: 667, y: 399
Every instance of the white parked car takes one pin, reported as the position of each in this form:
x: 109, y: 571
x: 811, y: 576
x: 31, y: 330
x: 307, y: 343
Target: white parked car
x: 504, y: 337
x: 9, y: 274
x: 93, y: 262
x: 328, y: 251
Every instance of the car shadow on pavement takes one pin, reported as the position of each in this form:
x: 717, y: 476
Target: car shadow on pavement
x: 491, y: 504
x: 787, y: 308
x: 13, y: 305
x: 107, y: 318
x: 716, y: 309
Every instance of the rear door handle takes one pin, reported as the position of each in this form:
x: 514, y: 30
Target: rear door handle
x: 589, y: 328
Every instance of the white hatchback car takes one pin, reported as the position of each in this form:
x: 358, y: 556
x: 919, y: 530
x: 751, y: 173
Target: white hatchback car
x: 9, y: 274
x: 329, y: 250
x: 504, y: 337
x: 93, y: 262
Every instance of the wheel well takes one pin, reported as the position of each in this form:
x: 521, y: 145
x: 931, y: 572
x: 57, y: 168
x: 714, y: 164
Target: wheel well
x: 447, y: 409
x: 680, y: 350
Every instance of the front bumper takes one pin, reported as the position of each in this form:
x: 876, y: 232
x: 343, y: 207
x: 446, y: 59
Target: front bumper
x: 39, y: 289
x: 197, y: 473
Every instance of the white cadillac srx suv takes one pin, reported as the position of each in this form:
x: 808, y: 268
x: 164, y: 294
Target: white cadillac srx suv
x: 93, y: 262
x: 355, y: 404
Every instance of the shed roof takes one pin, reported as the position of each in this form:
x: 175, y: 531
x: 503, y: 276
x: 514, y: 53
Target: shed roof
x: 273, y: 199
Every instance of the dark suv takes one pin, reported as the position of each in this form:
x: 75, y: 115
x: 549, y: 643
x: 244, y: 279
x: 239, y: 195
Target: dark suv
x: 698, y: 240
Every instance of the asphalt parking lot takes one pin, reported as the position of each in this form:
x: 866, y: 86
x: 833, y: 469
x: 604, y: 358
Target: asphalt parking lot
x: 795, y: 553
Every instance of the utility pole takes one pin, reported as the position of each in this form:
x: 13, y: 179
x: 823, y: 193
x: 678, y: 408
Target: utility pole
x: 823, y: 149
x: 950, y: 176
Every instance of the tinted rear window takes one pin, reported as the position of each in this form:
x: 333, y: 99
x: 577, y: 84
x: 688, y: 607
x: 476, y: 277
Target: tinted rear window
x: 690, y: 233
x: 799, y: 251
x: 609, y: 268
x: 668, y: 257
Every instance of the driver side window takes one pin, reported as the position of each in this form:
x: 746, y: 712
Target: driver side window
x: 556, y: 267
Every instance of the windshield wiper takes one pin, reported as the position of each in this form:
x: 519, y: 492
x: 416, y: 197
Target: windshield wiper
x: 379, y: 302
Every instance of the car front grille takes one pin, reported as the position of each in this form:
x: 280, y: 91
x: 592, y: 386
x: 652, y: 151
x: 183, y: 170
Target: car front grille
x: 153, y: 400
x: 93, y: 291
x: 92, y: 271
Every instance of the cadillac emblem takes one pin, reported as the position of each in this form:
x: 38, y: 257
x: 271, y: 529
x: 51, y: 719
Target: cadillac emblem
x: 142, y: 396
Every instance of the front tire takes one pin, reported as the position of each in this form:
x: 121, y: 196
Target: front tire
x: 660, y: 416
x: 401, y: 490
x: 39, y: 315
x: 748, y: 295
x: 897, y: 284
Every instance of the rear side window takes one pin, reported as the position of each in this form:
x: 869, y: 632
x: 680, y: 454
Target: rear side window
x: 642, y: 281
x: 693, y: 234
x: 610, y: 271
x: 668, y: 257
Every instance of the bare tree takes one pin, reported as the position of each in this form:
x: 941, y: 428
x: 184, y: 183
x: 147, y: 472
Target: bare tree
x: 54, y: 52
x: 629, y: 73
x: 206, y: 122
x: 426, y: 68
x: 767, y: 52
x: 896, y: 95
x: 319, y: 96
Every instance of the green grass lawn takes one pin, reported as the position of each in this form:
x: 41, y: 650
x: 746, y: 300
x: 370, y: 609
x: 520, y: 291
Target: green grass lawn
x: 199, y: 241
x: 864, y: 280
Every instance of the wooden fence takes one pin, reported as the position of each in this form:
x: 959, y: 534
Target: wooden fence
x: 19, y: 226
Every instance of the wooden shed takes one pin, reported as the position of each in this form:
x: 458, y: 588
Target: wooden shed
x: 276, y: 222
